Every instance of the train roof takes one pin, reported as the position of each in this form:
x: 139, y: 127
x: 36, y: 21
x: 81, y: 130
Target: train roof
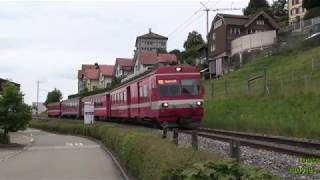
x: 160, y: 70
x: 95, y: 95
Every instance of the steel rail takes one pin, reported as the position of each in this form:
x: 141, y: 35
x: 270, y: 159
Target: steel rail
x: 258, y: 143
x: 267, y: 138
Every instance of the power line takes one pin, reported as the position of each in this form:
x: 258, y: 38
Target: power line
x: 187, y: 25
x: 186, y: 21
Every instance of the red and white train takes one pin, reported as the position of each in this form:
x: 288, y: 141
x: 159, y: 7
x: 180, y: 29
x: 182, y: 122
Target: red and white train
x: 171, y: 95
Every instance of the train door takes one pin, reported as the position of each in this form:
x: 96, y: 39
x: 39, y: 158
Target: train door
x: 138, y: 98
x: 108, y: 106
x: 128, y: 101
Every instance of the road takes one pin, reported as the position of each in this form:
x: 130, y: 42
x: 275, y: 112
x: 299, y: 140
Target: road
x: 53, y: 156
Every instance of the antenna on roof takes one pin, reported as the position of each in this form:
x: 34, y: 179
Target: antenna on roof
x: 149, y: 30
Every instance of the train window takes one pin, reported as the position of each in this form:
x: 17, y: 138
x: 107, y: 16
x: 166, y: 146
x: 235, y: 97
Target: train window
x: 190, y: 86
x: 124, y: 96
x: 145, y: 90
x: 140, y: 92
x: 169, y: 87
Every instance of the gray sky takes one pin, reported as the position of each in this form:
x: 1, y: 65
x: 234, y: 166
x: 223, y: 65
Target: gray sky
x: 48, y: 41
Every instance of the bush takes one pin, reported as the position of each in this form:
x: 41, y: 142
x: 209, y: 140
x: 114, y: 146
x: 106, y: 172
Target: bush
x: 312, y: 13
x: 145, y: 155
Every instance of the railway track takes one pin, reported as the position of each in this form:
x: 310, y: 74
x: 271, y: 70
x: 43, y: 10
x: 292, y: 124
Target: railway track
x: 279, y: 144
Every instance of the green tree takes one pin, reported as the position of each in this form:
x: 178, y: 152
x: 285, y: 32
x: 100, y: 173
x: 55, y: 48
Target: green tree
x: 14, y: 113
x: 255, y: 6
x: 313, y: 8
x: 280, y: 11
x: 179, y: 55
x: 53, y: 96
x: 194, y: 41
x: 309, y: 4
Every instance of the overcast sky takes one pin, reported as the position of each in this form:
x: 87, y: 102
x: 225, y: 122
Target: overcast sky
x: 48, y: 41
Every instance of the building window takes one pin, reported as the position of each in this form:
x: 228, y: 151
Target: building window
x: 235, y: 31
x: 213, y: 36
x: 260, y: 22
x: 213, y: 47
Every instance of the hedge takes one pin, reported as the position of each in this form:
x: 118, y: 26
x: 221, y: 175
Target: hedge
x: 145, y: 155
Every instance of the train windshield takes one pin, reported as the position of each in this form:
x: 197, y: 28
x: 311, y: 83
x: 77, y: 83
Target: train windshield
x: 189, y: 87
x: 169, y: 87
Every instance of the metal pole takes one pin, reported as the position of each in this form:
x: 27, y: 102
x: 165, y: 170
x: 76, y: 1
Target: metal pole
x: 235, y: 150
x: 175, y: 136
x: 194, y: 140
x: 37, y: 98
x: 212, y: 89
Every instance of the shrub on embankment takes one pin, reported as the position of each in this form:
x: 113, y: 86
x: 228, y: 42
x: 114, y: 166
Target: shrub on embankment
x: 147, y: 156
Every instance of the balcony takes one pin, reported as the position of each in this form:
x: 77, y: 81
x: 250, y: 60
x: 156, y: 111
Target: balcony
x: 253, y: 41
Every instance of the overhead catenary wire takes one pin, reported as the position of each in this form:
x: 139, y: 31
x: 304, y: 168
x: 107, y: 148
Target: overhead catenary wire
x: 186, y: 21
x: 187, y: 25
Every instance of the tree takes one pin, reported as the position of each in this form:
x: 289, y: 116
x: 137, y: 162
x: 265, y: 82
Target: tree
x: 14, y: 113
x: 309, y: 4
x: 194, y: 41
x: 179, y: 55
x: 53, y: 96
x: 255, y: 6
x: 313, y: 8
x: 279, y: 11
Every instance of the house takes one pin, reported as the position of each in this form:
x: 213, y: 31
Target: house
x: 40, y: 106
x: 295, y: 10
x: 2, y: 81
x: 150, y: 42
x: 226, y: 28
x: 105, y: 76
x: 92, y: 77
x: 123, y: 67
x: 147, y: 60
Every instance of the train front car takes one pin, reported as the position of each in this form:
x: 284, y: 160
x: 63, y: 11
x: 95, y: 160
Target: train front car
x: 54, y: 109
x: 178, y: 96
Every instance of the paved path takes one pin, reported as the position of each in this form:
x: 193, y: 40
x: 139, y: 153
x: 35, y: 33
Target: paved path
x: 52, y: 156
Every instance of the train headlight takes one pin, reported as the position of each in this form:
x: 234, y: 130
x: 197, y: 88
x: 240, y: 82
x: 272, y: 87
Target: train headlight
x: 165, y: 105
x: 178, y: 69
x: 199, y: 103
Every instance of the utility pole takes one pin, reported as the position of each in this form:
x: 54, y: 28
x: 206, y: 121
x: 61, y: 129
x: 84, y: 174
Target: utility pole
x: 37, y: 97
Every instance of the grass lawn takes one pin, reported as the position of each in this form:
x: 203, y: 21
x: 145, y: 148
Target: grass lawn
x: 290, y: 109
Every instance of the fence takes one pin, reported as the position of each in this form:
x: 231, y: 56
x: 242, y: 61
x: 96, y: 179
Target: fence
x: 263, y: 83
x: 303, y: 26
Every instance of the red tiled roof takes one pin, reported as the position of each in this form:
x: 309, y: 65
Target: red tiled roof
x: 92, y: 74
x: 90, y: 71
x: 124, y: 62
x: 106, y: 70
x: 87, y: 66
x: 154, y: 58
x: 167, y: 58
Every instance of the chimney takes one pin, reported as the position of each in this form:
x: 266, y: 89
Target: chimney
x: 96, y: 65
x: 149, y: 30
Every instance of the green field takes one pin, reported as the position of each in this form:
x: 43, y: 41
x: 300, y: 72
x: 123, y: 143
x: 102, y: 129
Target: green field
x: 291, y: 107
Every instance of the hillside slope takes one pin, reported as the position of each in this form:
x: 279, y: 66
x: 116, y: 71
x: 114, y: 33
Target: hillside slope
x: 291, y: 107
